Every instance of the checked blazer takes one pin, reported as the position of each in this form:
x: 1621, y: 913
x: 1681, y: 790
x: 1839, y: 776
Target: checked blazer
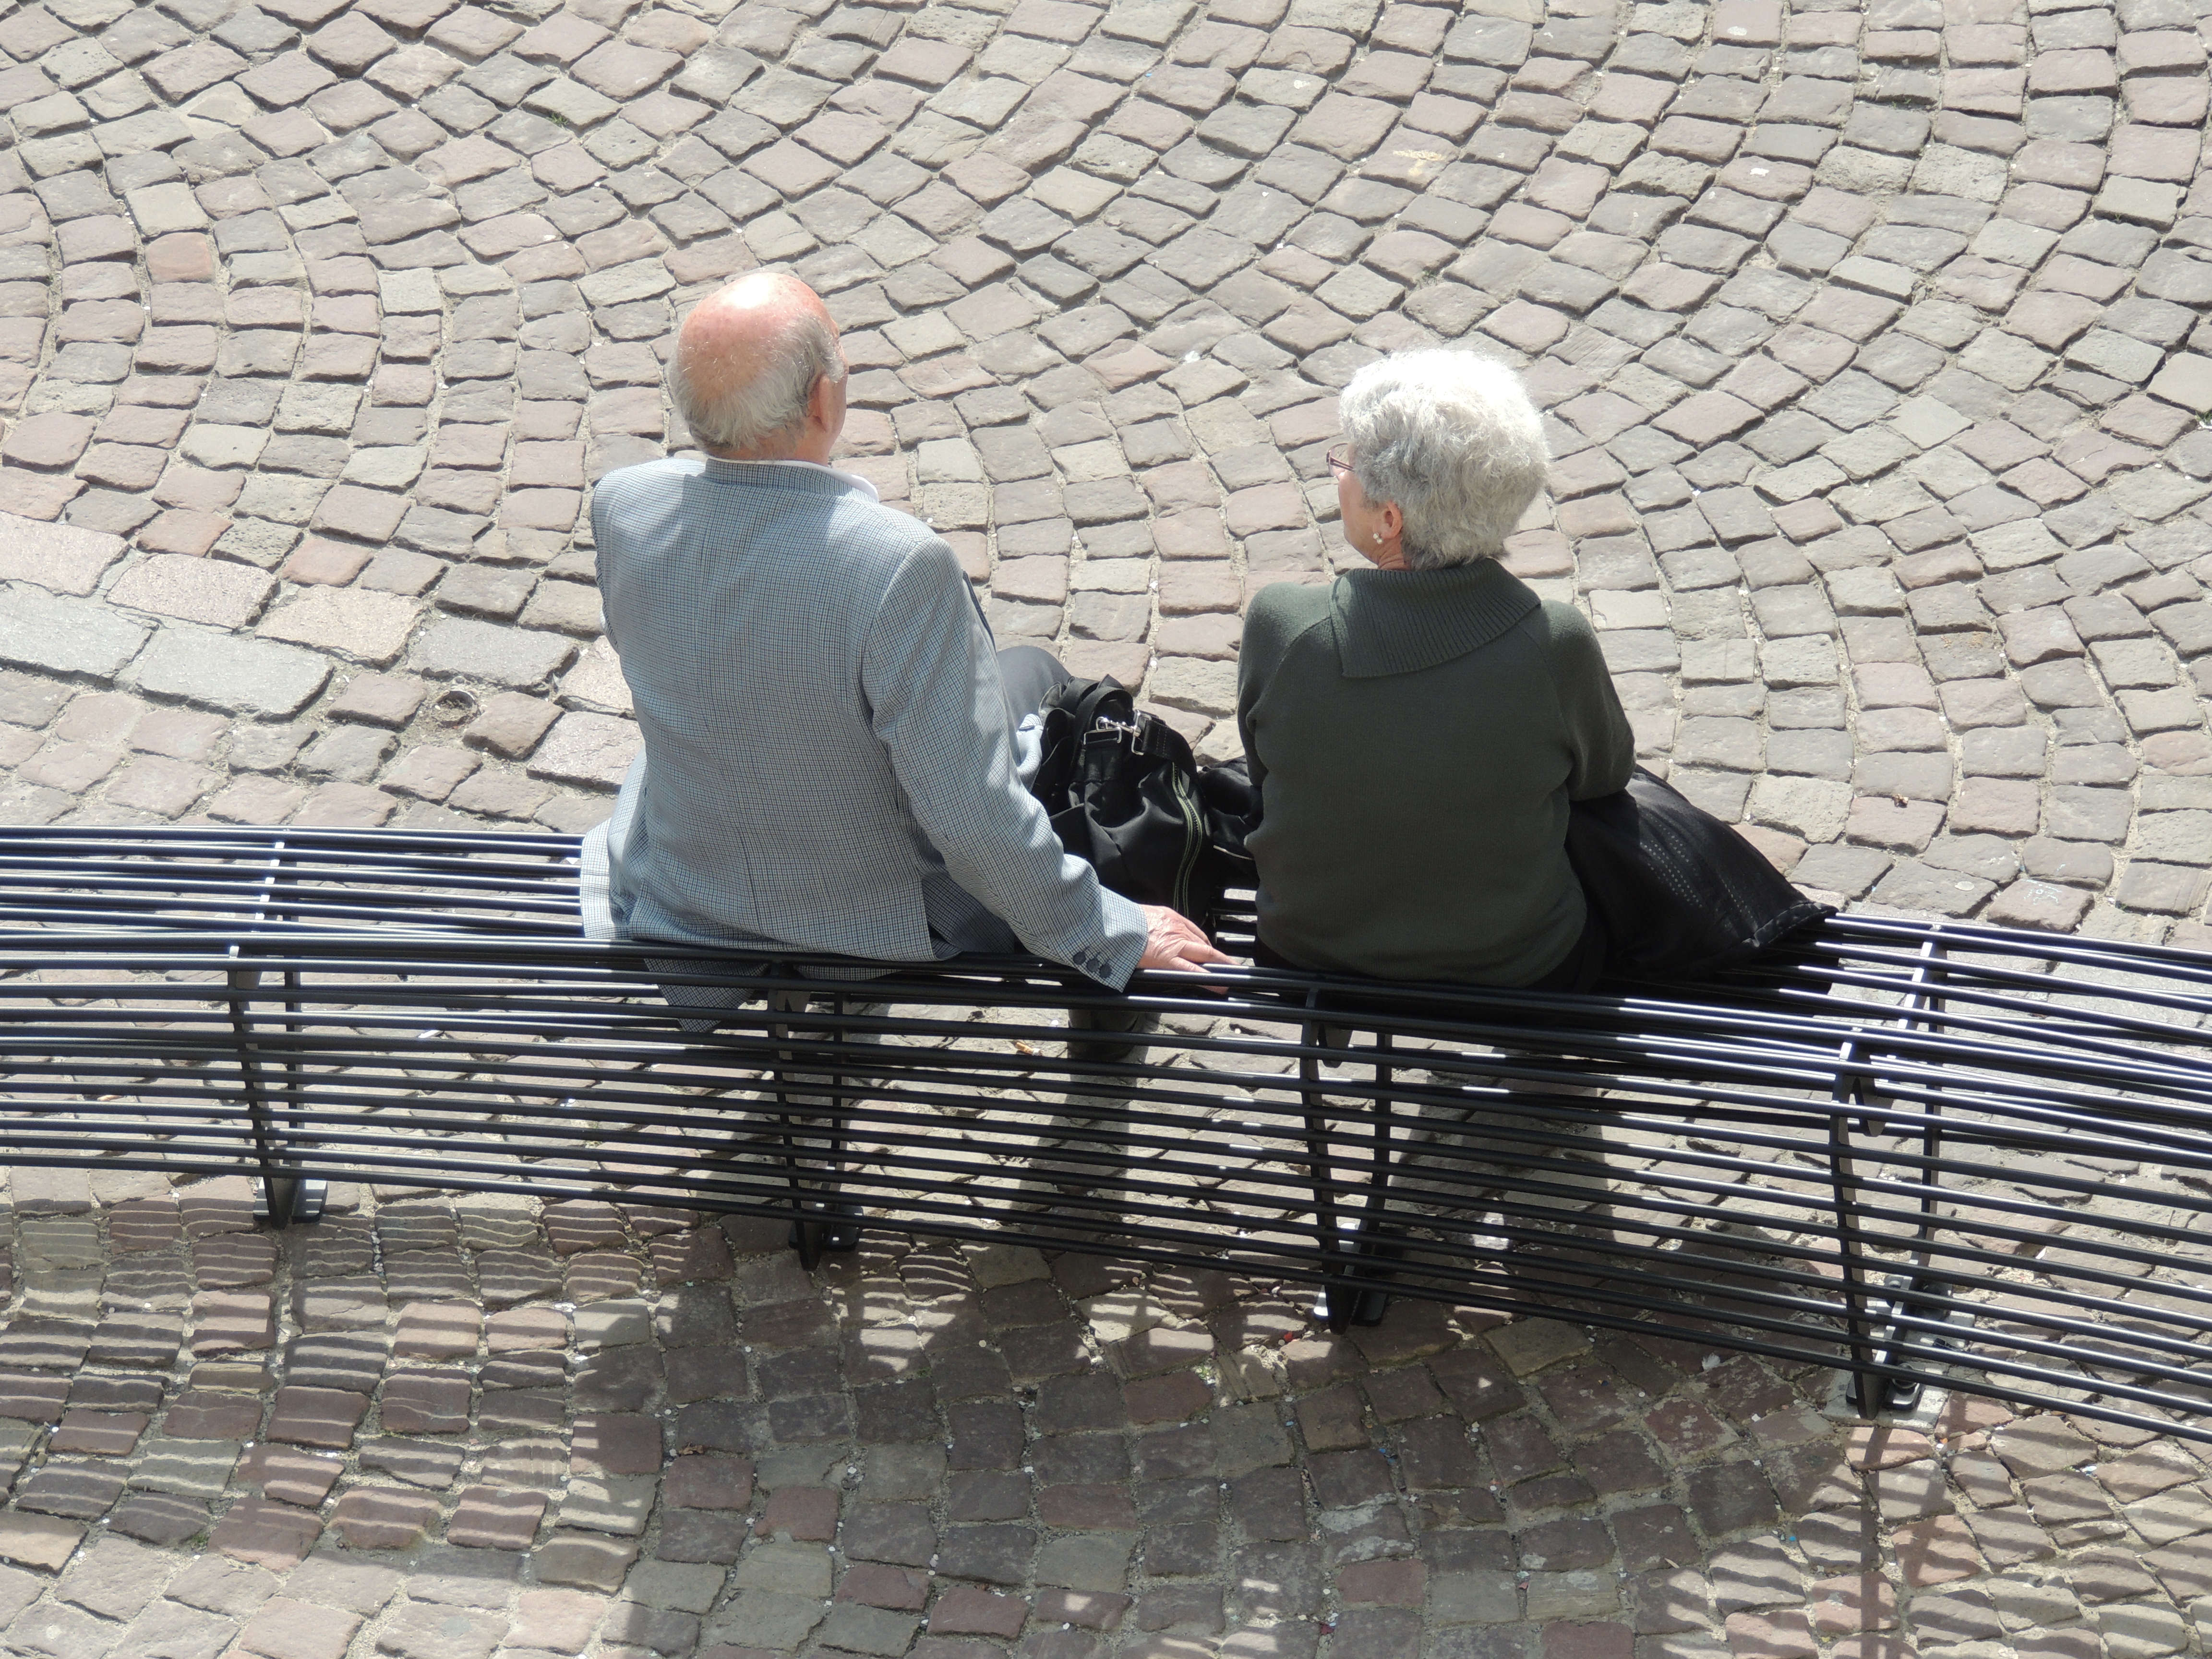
x: 828, y: 762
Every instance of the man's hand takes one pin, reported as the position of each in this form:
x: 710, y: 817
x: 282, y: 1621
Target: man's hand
x: 1174, y: 943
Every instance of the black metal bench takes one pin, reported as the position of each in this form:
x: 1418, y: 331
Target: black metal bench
x: 1910, y: 1150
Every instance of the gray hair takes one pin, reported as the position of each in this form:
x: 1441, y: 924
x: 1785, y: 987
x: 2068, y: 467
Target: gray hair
x: 772, y: 399
x: 1456, y: 440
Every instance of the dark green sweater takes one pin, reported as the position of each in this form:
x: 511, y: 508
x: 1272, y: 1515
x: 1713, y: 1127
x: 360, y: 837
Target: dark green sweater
x: 1417, y: 736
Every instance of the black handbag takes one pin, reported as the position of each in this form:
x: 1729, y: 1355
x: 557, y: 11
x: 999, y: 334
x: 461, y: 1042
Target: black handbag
x: 1122, y: 789
x: 1681, y: 894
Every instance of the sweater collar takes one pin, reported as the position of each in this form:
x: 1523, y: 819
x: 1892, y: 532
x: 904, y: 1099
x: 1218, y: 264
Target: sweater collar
x: 1400, y: 622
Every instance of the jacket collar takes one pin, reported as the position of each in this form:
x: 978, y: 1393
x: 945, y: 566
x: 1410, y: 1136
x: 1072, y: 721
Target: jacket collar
x: 1400, y: 622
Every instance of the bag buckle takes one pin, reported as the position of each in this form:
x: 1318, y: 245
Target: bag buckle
x: 1106, y: 731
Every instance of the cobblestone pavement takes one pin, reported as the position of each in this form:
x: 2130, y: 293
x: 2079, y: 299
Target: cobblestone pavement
x: 1873, y: 343
x: 445, y: 1429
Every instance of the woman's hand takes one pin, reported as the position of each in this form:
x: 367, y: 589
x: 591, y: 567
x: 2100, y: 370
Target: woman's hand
x: 1175, y: 943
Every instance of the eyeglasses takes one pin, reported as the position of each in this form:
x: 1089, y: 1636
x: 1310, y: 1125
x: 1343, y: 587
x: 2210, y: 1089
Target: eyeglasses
x: 1340, y: 460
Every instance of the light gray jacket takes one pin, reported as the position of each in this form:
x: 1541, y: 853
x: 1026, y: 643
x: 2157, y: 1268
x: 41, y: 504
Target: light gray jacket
x: 828, y: 762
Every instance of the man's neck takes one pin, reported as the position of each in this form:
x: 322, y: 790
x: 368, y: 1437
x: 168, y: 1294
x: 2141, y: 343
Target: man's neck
x: 817, y: 452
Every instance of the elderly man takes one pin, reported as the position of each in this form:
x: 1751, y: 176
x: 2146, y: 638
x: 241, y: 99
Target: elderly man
x: 829, y: 759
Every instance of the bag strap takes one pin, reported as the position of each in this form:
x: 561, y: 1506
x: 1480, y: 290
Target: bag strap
x: 1086, y: 711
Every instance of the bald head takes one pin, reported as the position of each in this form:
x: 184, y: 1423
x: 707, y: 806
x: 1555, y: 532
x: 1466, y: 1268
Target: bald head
x: 757, y: 375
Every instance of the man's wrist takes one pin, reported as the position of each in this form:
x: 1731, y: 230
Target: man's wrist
x: 1126, y: 934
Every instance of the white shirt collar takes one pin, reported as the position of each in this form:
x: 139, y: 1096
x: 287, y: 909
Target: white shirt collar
x: 852, y: 479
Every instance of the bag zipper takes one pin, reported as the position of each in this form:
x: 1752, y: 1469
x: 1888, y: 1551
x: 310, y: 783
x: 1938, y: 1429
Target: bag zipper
x: 1193, y: 840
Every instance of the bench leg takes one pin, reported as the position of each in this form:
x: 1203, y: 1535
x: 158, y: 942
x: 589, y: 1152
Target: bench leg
x: 1927, y: 1280
x: 1870, y: 1392
x: 287, y: 1194
x: 1898, y: 1394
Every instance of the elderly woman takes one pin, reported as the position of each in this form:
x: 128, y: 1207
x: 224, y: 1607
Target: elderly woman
x: 1417, y: 730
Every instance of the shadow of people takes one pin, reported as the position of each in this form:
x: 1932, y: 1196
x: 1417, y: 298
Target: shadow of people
x: 785, y: 1109
x: 1082, y: 1164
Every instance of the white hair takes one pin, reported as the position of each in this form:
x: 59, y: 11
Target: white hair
x: 1456, y: 440
x: 769, y: 401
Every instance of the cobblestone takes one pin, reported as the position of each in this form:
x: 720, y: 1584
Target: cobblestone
x: 1873, y: 346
